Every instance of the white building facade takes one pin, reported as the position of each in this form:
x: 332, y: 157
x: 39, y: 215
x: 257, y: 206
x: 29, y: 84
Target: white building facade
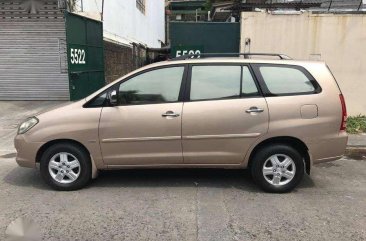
x: 130, y: 21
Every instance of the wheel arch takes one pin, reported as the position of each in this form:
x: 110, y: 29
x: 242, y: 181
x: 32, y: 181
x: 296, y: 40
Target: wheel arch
x: 286, y: 140
x: 48, y: 144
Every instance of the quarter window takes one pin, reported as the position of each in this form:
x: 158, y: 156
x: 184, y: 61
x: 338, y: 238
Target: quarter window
x: 156, y: 86
x: 98, y: 101
x: 286, y: 80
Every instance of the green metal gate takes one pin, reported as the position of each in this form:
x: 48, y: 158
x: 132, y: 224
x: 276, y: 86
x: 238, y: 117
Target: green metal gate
x: 204, y: 37
x: 84, y: 39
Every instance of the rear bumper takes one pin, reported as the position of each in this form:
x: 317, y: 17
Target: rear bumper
x: 328, y: 149
x: 26, y: 151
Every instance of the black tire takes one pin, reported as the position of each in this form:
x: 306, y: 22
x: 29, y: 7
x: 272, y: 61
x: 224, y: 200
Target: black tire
x: 264, y: 154
x: 81, y: 155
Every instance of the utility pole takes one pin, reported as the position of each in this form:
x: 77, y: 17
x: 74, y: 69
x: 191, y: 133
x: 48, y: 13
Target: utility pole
x: 359, y: 6
x: 330, y: 5
x: 101, y: 17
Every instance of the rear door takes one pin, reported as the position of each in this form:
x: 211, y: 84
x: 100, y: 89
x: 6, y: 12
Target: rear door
x: 223, y: 116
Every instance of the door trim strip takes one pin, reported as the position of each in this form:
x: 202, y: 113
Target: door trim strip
x: 169, y: 138
x: 226, y: 136
x: 136, y: 139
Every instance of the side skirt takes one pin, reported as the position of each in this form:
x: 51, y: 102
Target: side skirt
x: 222, y: 166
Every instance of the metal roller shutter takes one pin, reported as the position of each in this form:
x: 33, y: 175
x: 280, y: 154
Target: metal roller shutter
x: 32, y: 53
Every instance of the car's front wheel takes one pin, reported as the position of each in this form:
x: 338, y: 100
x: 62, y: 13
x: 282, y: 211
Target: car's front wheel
x: 277, y: 168
x: 66, y: 167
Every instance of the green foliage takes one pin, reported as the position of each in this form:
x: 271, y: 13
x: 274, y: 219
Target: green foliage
x: 208, y: 5
x: 356, y: 124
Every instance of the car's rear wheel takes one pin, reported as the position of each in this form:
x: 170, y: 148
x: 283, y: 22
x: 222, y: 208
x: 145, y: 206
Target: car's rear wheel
x: 277, y: 168
x: 66, y: 167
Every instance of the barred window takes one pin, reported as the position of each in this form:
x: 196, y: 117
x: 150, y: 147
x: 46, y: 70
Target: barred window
x: 140, y: 4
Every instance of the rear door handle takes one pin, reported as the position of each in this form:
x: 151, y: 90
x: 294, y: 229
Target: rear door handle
x: 170, y: 114
x: 254, y: 109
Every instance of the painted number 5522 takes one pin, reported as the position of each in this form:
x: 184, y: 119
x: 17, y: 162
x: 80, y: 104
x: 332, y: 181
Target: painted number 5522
x: 77, y: 56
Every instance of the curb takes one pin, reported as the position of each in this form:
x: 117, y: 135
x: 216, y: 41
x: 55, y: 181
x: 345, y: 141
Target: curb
x: 356, y: 152
x: 356, y: 147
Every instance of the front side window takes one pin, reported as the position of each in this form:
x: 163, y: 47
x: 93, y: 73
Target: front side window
x: 221, y: 82
x: 155, y: 86
x: 286, y: 80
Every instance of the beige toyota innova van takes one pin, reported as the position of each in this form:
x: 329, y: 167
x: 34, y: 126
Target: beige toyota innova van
x: 275, y: 117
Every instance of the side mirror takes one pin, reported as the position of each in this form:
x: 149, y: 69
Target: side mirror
x: 113, y: 97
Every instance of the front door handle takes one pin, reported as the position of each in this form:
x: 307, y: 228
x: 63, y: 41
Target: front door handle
x: 254, y: 109
x: 170, y: 114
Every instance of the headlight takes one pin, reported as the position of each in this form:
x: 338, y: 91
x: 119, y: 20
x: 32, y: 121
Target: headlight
x: 27, y: 125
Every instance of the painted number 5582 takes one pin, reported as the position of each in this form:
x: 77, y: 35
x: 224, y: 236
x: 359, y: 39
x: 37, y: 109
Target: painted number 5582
x: 77, y: 56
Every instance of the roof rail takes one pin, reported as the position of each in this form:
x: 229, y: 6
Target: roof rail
x: 213, y: 55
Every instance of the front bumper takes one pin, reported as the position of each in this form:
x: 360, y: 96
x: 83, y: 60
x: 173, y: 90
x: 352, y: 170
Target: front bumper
x: 26, y: 151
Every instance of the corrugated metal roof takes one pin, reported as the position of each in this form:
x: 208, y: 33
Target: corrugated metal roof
x: 338, y: 4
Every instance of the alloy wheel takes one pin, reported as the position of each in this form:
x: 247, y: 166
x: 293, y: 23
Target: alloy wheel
x: 279, y: 169
x: 64, y: 168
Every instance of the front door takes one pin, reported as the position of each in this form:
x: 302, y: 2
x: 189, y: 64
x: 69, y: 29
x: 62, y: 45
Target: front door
x: 145, y: 127
x: 224, y: 116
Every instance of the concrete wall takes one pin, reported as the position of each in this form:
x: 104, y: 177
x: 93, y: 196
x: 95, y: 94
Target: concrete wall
x: 125, y: 23
x: 337, y: 39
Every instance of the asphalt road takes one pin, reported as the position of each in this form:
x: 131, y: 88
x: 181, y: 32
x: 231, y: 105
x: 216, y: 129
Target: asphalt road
x: 181, y: 204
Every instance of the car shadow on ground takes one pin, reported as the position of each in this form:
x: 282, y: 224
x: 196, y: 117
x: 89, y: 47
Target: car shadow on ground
x: 25, y: 177
x: 216, y: 178
x: 219, y: 178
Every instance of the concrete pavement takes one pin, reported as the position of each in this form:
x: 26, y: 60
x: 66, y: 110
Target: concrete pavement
x: 357, y: 140
x: 181, y: 204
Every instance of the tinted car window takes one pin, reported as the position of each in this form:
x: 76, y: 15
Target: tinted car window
x: 285, y: 80
x: 215, y: 82
x: 156, y: 86
x: 248, y: 87
x: 98, y: 101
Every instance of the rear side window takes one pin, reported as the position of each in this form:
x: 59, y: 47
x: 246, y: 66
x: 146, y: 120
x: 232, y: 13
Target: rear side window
x: 281, y: 80
x: 215, y: 82
x: 221, y: 82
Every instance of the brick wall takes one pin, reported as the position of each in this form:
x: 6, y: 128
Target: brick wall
x: 118, y: 61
